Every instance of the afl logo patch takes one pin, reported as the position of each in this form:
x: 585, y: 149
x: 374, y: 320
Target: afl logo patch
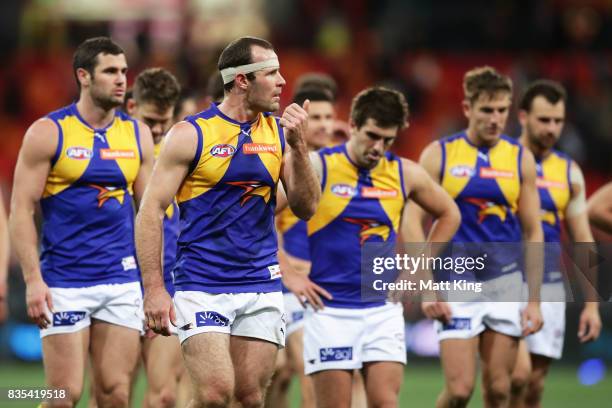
x: 344, y: 190
x: 79, y: 153
x: 223, y: 150
x: 462, y: 171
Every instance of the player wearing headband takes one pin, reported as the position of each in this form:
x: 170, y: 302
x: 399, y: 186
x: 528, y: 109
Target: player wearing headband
x: 224, y: 165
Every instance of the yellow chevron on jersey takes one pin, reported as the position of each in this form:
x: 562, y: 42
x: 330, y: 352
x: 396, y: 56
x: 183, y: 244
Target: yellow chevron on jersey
x: 554, y: 186
x: 220, y: 140
x: 341, y: 187
x: 285, y: 220
x: 460, y: 159
x: 76, y: 153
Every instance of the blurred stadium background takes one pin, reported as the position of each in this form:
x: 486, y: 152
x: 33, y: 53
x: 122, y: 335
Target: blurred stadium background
x: 419, y: 47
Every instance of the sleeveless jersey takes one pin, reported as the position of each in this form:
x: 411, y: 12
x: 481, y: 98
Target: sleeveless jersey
x: 554, y: 188
x: 171, y: 233
x: 357, y: 206
x: 228, y: 241
x: 485, y: 183
x: 87, y: 203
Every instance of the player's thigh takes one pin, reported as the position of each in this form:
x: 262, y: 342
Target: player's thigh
x: 498, y: 353
x: 254, y: 363
x: 458, y: 358
x: 295, y: 351
x: 163, y: 361
x: 114, y: 354
x: 209, y: 364
x: 64, y: 358
x: 383, y: 380
x: 333, y: 388
x: 522, y: 368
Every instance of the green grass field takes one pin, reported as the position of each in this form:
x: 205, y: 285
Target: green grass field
x: 422, y: 382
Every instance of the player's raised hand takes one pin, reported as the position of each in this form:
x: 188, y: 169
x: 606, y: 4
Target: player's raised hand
x: 38, y: 300
x: 159, y: 311
x: 295, y: 122
x: 531, y: 318
x: 589, y: 325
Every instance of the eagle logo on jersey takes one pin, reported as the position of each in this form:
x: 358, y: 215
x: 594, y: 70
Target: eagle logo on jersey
x: 106, y: 193
x: 488, y: 208
x: 252, y: 189
x: 369, y: 228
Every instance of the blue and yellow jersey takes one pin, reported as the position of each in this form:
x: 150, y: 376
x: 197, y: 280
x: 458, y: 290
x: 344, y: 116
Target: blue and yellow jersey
x: 554, y: 186
x: 87, y: 202
x: 357, y: 206
x: 293, y: 231
x: 171, y: 233
x: 228, y: 242
x: 485, y: 183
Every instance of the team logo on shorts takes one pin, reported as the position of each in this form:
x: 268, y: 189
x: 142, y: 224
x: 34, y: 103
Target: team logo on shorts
x: 223, y: 150
x: 335, y: 354
x: 297, y: 316
x: 462, y: 171
x: 344, y: 190
x: 69, y: 318
x: 210, y: 318
x: 79, y: 153
x: 458, y: 323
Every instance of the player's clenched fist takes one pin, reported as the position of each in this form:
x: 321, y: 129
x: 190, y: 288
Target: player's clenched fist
x: 295, y: 122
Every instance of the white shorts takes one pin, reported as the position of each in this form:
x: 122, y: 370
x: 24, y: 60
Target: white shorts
x: 118, y: 303
x: 294, y: 312
x: 257, y: 315
x: 344, y: 339
x: 548, y: 341
x: 470, y: 318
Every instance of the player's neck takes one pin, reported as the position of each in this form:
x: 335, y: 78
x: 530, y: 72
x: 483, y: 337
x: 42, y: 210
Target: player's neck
x: 96, y: 116
x: 235, y: 107
x: 538, y: 151
x: 473, y: 138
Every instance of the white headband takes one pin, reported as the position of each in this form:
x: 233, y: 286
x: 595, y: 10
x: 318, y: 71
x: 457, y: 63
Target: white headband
x: 229, y: 74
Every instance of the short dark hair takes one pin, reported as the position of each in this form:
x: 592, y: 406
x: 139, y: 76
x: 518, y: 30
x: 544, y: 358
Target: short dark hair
x: 157, y: 86
x: 484, y: 80
x: 86, y: 54
x: 215, y: 87
x: 313, y: 94
x: 386, y: 106
x: 317, y: 80
x: 238, y: 52
x: 552, y: 91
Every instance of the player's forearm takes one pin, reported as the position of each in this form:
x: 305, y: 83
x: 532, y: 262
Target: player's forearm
x: 4, y: 248
x: 149, y: 240
x: 601, y: 218
x: 25, y: 241
x: 304, y: 190
x: 445, y: 226
x: 534, y: 260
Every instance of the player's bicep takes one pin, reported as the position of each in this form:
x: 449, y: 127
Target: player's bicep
x: 529, y: 200
x: 172, y: 166
x: 33, y: 163
x: 428, y: 194
x: 576, y: 211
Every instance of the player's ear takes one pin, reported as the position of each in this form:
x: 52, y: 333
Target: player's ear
x: 130, y: 106
x: 83, y: 76
x: 522, y: 117
x: 241, y: 82
x: 467, y: 108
